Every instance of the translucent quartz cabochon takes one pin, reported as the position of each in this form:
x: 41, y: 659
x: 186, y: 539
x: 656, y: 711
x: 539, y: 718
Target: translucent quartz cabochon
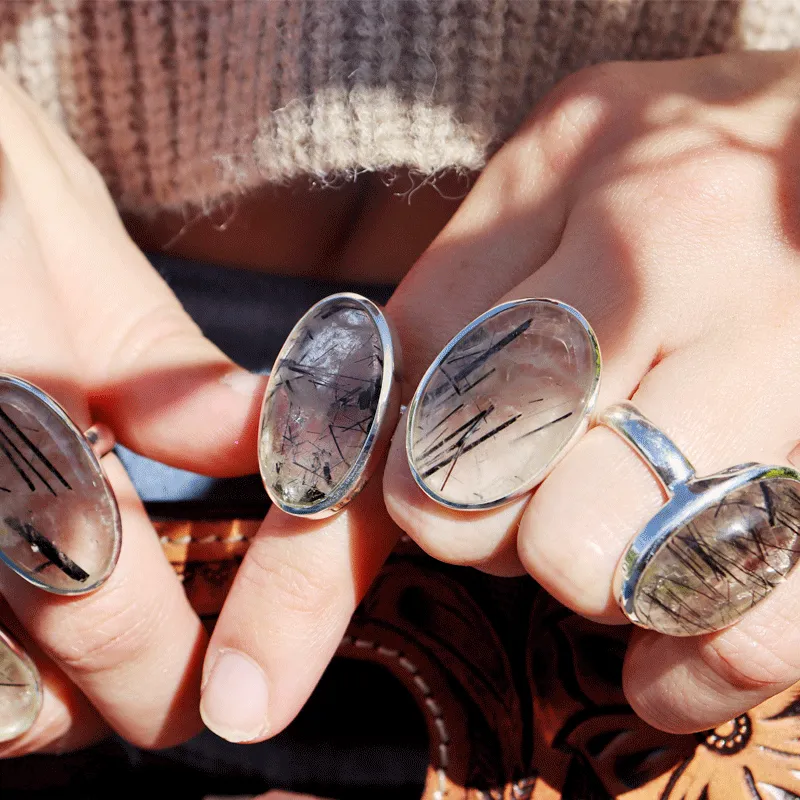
x: 501, y: 403
x: 20, y: 695
x: 724, y: 561
x: 59, y: 525
x: 321, y: 404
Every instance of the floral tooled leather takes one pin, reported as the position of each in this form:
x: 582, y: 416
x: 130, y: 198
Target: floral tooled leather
x: 522, y: 698
x: 587, y: 735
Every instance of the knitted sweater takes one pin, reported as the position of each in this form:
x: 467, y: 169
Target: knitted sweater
x: 181, y: 102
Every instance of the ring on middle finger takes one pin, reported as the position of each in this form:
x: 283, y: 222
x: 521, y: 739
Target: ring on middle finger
x: 502, y: 403
x: 330, y: 406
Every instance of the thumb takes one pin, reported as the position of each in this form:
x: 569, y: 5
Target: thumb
x: 147, y: 370
x: 166, y: 390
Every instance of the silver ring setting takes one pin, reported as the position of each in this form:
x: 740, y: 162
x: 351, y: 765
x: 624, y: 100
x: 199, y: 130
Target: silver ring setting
x: 502, y: 403
x: 60, y: 526
x: 330, y: 407
x: 719, y: 545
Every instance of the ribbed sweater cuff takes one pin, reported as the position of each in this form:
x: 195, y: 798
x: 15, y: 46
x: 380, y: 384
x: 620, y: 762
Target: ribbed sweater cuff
x: 181, y: 102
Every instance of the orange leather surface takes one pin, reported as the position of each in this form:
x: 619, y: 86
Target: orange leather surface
x: 522, y: 698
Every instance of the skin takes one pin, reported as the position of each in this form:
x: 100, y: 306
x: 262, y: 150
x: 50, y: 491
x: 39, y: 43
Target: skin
x: 83, y: 312
x: 659, y: 199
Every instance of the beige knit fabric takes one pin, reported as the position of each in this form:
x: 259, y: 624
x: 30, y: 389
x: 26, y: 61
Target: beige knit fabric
x: 180, y: 102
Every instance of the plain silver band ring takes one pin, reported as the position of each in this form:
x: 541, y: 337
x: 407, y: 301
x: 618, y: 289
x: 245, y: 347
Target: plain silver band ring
x: 101, y: 439
x: 656, y: 449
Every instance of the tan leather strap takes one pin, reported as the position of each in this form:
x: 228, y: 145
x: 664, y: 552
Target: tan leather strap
x: 522, y: 698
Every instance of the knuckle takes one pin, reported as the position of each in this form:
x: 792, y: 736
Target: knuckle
x: 306, y: 590
x: 609, y: 78
x: 699, y: 192
x: 713, y: 176
x: 580, y: 115
x: 573, y: 104
x: 108, y: 630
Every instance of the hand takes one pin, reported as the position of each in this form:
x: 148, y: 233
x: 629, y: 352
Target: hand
x: 87, y: 319
x: 660, y: 201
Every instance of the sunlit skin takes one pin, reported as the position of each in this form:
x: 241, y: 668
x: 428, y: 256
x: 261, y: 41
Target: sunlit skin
x: 658, y: 199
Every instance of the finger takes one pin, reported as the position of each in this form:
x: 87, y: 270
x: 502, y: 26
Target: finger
x: 487, y: 539
x: 150, y: 374
x: 611, y: 265
x: 612, y: 495
x: 287, y: 612
x: 164, y: 388
x: 722, y: 406
x: 133, y: 647
x: 510, y: 224
x: 683, y: 685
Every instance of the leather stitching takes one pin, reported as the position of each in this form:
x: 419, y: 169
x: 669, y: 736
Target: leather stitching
x: 432, y: 708
x: 189, y: 539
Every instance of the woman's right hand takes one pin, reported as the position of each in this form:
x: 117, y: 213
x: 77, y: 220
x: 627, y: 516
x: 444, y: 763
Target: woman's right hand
x: 88, y: 320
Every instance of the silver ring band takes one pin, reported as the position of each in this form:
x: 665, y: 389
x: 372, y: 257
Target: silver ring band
x: 657, y: 450
x: 101, y: 439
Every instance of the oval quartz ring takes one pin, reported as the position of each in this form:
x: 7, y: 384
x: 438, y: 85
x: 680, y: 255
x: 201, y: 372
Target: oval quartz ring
x: 330, y: 407
x: 719, y: 545
x: 59, y: 522
x: 502, y: 403
x: 21, y: 692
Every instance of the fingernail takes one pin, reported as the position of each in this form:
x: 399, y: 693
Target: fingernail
x: 244, y: 382
x: 234, y: 699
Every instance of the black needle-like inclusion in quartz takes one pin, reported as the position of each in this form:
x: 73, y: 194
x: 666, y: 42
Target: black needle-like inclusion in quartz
x: 500, y: 403
x: 321, y: 404
x: 43, y: 545
x: 36, y: 472
x: 723, y: 562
